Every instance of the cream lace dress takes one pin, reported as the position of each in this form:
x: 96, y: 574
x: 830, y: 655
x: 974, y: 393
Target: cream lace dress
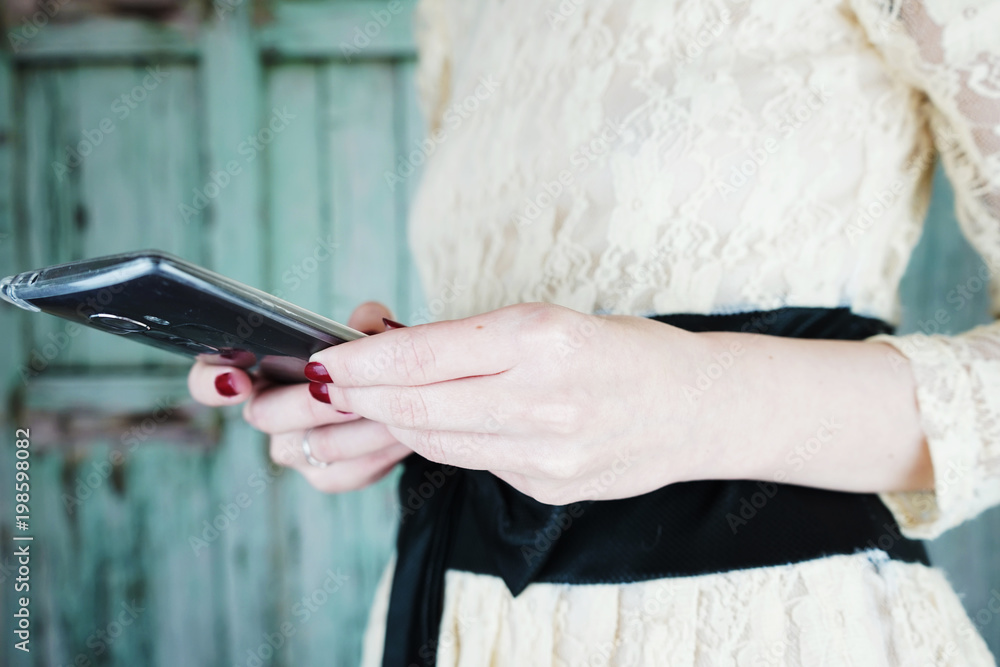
x: 704, y: 156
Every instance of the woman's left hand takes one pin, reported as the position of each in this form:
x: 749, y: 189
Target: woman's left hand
x: 561, y: 405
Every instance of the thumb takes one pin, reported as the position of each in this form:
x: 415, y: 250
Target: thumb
x: 367, y: 318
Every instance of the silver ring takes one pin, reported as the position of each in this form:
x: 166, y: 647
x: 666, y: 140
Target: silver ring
x: 307, y: 450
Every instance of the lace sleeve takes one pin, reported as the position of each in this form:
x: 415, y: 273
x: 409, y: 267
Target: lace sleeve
x: 950, y: 51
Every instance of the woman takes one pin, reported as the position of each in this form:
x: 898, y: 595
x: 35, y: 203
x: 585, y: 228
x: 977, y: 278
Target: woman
x: 696, y: 441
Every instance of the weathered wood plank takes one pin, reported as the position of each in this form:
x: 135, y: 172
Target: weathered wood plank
x: 124, y: 542
x: 348, y: 31
x: 360, y: 141
x: 245, y: 573
x: 126, y: 393
x: 48, y: 199
x: 79, y: 409
x: 102, y: 38
x: 168, y: 500
x: 232, y: 222
x: 298, y: 221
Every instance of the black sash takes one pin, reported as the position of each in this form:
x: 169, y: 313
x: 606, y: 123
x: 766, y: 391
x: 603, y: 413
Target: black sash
x: 469, y: 520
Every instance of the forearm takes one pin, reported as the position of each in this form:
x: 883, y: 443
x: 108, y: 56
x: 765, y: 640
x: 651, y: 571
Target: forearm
x: 831, y: 414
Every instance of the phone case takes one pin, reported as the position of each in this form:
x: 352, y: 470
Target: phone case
x: 161, y: 300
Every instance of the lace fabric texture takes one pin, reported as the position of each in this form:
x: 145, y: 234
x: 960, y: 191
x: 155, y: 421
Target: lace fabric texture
x: 863, y: 609
x: 951, y: 52
x: 661, y: 156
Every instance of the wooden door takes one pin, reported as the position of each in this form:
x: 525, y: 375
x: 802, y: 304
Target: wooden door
x: 251, y: 145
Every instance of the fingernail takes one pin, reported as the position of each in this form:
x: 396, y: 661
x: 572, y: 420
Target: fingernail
x: 391, y: 324
x: 319, y: 391
x: 225, y: 384
x: 345, y: 413
x: 317, y: 372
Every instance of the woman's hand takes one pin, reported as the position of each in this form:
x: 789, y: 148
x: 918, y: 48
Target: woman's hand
x: 561, y: 405
x: 566, y: 406
x: 360, y: 451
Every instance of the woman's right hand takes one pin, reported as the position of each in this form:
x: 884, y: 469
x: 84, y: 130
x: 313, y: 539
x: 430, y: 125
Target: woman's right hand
x: 360, y: 451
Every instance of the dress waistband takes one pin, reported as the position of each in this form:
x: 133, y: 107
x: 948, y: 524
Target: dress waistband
x: 469, y: 520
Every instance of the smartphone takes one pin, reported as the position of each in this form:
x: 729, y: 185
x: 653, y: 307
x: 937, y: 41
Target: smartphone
x: 161, y: 300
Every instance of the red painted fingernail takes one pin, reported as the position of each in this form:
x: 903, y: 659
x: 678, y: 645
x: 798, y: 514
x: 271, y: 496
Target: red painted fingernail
x: 225, y: 384
x: 317, y: 372
x: 319, y: 391
x: 391, y: 324
x: 345, y: 413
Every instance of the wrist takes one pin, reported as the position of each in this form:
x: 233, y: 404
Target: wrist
x: 717, y: 393
x: 749, y: 413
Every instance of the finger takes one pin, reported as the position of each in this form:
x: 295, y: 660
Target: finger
x: 355, y: 473
x: 367, y: 317
x: 548, y: 491
x: 472, y: 451
x: 334, y: 443
x: 218, y: 385
x: 473, y: 405
x: 521, y: 482
x: 480, y: 345
x: 285, y: 408
x: 346, y: 475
